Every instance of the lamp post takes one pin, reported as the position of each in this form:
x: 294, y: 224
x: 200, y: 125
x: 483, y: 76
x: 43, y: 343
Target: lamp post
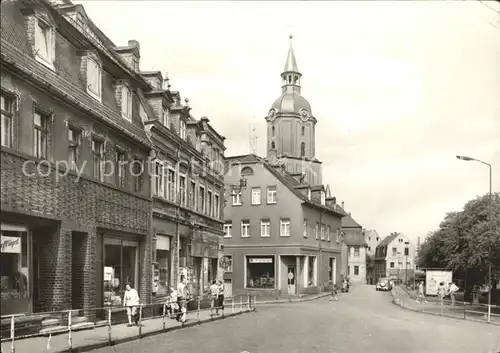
x: 398, y: 266
x: 406, y: 262
x: 468, y: 159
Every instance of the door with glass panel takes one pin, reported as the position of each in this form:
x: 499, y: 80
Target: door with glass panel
x: 291, y: 280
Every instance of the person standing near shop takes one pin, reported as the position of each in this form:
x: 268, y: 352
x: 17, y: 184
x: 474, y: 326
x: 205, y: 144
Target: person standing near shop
x: 220, y: 301
x: 452, y: 289
x: 214, y: 298
x: 182, y: 296
x: 131, y: 302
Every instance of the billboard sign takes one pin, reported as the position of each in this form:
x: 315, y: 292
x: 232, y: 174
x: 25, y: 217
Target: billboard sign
x: 434, y: 277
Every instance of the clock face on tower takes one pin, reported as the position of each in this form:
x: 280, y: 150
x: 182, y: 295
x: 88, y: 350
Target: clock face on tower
x: 272, y: 114
x: 304, y: 115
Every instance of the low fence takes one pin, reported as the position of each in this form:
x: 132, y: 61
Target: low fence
x: 90, y: 328
x: 458, y: 309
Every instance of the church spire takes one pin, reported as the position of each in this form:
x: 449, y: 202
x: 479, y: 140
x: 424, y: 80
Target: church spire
x: 291, y: 62
x: 291, y: 75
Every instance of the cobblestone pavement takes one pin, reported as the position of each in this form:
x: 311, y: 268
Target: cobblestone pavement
x: 363, y: 321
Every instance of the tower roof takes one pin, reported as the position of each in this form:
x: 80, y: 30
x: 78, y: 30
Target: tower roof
x: 291, y: 62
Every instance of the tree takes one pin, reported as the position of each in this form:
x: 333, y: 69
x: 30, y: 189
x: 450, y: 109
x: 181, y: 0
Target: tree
x: 466, y: 241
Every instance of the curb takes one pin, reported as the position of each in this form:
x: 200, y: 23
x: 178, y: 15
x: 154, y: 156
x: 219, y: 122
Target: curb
x: 290, y: 300
x: 440, y: 315
x: 115, y: 342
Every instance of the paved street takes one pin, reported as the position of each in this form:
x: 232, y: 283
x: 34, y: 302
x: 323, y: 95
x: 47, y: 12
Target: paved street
x: 363, y: 321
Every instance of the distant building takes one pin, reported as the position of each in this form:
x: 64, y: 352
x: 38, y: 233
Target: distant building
x: 353, y: 232
x: 395, y: 257
x: 372, y: 240
x: 355, y: 247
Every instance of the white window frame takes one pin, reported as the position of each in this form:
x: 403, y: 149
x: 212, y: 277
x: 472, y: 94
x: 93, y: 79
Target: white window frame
x: 166, y: 119
x: 316, y: 230
x: 304, y: 230
x: 183, y: 193
x: 256, y: 199
x: 98, y: 67
x: 283, y: 224
x: 193, y: 194
x: 328, y: 231
x: 338, y: 235
x: 171, y: 191
x: 245, y: 225
x: 216, y: 205
x: 182, y: 129
x: 265, y: 224
x: 236, y: 199
x: 228, y: 227
x: 272, y: 192
x: 159, y: 186
x: 322, y: 231
x: 202, y: 199
x: 127, y: 113
x: 210, y: 202
x: 51, y: 43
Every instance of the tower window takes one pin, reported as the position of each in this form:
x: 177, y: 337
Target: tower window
x: 302, y: 149
x: 273, y: 146
x: 303, y: 131
x: 295, y: 79
x: 273, y: 130
x: 290, y: 79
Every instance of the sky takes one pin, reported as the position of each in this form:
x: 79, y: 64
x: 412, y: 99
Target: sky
x: 398, y: 89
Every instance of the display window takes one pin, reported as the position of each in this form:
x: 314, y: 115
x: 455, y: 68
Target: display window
x: 14, y: 269
x: 121, y: 266
x: 260, y: 272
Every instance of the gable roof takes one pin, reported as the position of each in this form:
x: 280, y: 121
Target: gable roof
x: 355, y: 239
x: 348, y: 221
x: 387, y: 240
x: 286, y: 179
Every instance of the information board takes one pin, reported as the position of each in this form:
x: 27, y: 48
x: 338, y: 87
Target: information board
x: 434, y: 277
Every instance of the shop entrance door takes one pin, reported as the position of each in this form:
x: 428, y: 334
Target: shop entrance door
x: 291, y: 280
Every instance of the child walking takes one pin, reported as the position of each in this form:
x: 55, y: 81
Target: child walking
x: 334, y: 293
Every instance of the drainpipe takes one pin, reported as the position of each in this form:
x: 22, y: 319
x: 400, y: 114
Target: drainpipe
x: 177, y: 214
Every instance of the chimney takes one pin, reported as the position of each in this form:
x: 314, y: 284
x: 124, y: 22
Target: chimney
x: 342, y: 205
x: 130, y: 54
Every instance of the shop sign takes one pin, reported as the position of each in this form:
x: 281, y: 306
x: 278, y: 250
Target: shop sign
x: 11, y: 245
x: 254, y: 260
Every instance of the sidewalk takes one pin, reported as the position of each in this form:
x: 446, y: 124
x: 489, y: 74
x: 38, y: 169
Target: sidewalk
x: 460, y: 310
x: 98, y: 337
x: 305, y: 298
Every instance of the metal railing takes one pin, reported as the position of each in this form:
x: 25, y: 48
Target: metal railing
x: 446, y: 307
x: 70, y: 330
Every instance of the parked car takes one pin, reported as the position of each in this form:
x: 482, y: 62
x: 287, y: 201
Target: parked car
x: 383, y: 284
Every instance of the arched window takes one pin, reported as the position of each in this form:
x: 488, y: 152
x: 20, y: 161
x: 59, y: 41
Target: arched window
x: 302, y: 149
x: 303, y: 131
x: 246, y: 171
x: 273, y: 131
x: 273, y: 146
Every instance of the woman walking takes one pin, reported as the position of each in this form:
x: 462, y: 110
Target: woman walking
x: 131, y: 302
x: 220, y: 297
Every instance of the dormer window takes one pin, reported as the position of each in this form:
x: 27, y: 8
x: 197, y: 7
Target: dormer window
x: 94, y: 78
x: 126, y: 103
x: 323, y: 197
x: 182, y: 130
x: 44, y: 43
x: 166, y: 118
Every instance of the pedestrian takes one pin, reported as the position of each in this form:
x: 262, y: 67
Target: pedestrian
x: 220, y: 301
x: 214, y: 296
x: 334, y: 293
x: 453, y: 289
x: 172, y: 305
x: 131, y: 302
x: 441, y: 292
x: 182, y: 296
x: 421, y: 294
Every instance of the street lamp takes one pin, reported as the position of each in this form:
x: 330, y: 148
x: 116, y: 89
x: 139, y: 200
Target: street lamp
x: 398, y: 266
x: 406, y: 262
x: 468, y: 159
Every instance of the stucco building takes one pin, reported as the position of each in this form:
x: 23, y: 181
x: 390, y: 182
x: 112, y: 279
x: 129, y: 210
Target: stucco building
x: 282, y: 231
x: 395, y: 257
x: 353, y: 249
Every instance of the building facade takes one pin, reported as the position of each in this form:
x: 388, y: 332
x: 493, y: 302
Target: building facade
x: 372, y: 240
x: 83, y: 130
x: 395, y: 258
x: 188, y: 189
x: 354, y: 246
x: 282, y: 232
x: 281, y: 236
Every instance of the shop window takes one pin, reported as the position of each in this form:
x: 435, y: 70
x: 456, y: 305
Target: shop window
x: 120, y: 267
x: 14, y: 272
x: 161, y: 274
x: 260, y: 272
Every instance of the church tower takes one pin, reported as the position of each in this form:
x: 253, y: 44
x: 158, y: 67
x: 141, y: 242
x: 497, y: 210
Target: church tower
x: 291, y: 135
